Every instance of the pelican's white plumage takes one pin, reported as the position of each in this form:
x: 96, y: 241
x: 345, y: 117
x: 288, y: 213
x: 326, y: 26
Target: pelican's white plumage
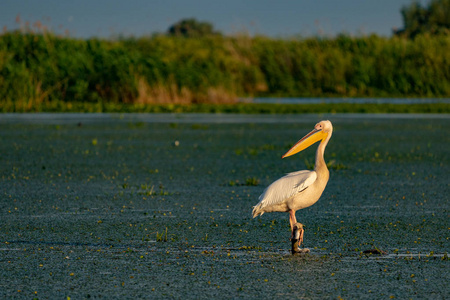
x: 299, y: 189
x: 284, y: 188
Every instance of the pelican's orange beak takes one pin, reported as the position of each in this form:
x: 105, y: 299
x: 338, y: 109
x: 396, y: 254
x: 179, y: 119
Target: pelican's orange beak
x: 306, y: 141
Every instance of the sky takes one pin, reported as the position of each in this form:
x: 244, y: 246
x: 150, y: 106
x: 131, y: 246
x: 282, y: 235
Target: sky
x: 280, y: 18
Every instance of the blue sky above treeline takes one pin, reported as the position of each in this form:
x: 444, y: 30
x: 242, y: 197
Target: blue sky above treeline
x: 283, y: 18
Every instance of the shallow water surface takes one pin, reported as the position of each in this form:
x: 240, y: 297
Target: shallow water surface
x: 159, y: 206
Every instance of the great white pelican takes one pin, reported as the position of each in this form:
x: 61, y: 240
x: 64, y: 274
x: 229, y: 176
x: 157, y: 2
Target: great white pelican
x: 299, y: 189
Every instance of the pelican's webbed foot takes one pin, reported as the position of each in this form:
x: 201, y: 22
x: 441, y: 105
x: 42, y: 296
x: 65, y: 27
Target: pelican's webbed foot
x: 297, y: 239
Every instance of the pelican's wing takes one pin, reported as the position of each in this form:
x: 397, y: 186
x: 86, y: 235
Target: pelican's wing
x: 283, y: 189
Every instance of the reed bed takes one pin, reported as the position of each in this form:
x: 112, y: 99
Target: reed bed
x: 47, y: 70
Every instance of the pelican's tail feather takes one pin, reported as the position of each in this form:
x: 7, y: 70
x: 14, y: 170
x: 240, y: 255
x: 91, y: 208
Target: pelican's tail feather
x: 257, y: 211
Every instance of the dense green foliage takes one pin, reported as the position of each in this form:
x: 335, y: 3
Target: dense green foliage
x: 432, y: 19
x: 41, y: 69
x: 191, y: 28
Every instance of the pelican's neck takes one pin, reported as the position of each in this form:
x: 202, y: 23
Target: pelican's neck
x: 321, y: 166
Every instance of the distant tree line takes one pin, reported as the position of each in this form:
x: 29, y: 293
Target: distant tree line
x: 193, y: 63
x: 192, y: 28
x: 37, y: 68
x: 432, y: 19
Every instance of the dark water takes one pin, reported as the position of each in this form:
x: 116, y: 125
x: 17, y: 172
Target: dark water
x: 159, y: 206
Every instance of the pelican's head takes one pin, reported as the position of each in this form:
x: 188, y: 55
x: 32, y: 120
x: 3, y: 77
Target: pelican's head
x: 322, y: 131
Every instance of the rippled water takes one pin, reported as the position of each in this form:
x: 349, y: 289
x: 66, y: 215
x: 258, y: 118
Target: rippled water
x: 108, y: 205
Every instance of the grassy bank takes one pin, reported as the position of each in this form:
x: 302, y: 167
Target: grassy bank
x: 246, y: 108
x: 37, y: 69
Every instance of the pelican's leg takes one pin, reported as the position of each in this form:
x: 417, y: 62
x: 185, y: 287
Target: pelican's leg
x: 292, y: 221
x: 300, y: 240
